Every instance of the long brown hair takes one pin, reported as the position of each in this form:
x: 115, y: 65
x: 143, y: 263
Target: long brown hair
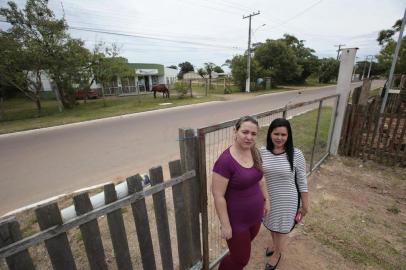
x: 256, y: 156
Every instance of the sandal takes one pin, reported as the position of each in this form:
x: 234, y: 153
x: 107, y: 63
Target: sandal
x: 273, y: 267
x: 268, y: 253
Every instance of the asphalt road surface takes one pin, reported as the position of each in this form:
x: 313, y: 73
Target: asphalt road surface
x: 43, y: 163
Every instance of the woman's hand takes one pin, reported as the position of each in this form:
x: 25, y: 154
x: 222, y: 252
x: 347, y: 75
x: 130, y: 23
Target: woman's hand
x: 226, y: 232
x: 304, y: 210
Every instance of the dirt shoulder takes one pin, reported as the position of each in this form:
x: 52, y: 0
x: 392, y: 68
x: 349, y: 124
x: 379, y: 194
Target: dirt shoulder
x: 357, y: 220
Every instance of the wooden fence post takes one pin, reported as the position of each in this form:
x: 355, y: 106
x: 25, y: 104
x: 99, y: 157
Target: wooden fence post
x: 140, y: 214
x: 58, y: 247
x: 10, y: 233
x: 183, y: 229
x: 189, y: 160
x: 161, y: 218
x: 90, y: 233
x: 117, y: 230
x: 203, y: 198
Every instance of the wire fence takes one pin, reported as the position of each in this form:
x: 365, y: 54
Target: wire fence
x: 312, y: 124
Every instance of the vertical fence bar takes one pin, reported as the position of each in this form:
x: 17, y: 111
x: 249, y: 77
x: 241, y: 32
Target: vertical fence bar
x: 203, y: 198
x: 117, y: 231
x: 285, y: 112
x: 140, y: 215
x: 332, y: 124
x: 10, y: 233
x: 316, y: 135
x: 161, y: 218
x: 189, y: 161
x: 90, y: 233
x: 182, y: 219
x: 58, y: 247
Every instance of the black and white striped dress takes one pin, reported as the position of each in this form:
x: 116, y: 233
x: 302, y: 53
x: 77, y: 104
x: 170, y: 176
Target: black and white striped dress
x: 282, y: 191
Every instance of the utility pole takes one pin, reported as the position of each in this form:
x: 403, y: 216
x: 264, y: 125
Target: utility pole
x: 338, y: 50
x: 247, y: 84
x: 394, y: 60
x: 365, y: 65
x: 370, y: 65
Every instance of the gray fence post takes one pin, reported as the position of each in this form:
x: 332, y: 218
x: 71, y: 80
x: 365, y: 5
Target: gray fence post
x: 58, y: 247
x: 10, y: 233
x: 189, y: 161
x: 182, y: 217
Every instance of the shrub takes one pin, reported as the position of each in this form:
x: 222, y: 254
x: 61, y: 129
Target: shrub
x: 181, y: 88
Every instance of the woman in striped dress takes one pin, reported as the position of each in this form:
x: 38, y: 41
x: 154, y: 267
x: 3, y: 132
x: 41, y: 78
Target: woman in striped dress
x: 285, y: 173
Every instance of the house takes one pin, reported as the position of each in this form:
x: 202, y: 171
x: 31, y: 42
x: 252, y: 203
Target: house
x: 143, y: 78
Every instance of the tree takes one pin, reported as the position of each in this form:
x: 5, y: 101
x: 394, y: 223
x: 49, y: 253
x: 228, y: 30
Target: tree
x: 279, y: 59
x: 107, y: 65
x: 26, y: 46
x: 185, y: 67
x: 38, y: 43
x: 388, y: 45
x: 238, y: 66
x: 218, y: 69
x: 202, y: 72
x: 328, y: 70
x: 305, y: 57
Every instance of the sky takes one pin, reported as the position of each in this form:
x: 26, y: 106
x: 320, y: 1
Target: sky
x: 169, y: 32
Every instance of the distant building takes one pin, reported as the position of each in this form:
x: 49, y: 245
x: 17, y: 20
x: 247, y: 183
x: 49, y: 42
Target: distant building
x: 191, y: 75
x: 144, y: 77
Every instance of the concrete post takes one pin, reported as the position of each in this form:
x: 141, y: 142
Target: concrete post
x: 150, y: 82
x: 343, y: 89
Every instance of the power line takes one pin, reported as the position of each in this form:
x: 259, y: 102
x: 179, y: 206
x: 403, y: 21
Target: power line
x: 298, y: 14
x: 142, y: 36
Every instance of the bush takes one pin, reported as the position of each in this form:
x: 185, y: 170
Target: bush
x: 181, y: 88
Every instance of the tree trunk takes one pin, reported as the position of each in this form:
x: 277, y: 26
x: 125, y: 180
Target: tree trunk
x: 104, y: 99
x: 1, y: 108
x: 38, y: 104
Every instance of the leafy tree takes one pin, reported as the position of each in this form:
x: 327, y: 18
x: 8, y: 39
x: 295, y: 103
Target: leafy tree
x: 305, y: 57
x: 185, y: 67
x: 385, y: 39
x: 36, y: 43
x: 279, y: 59
x: 202, y: 72
x: 28, y: 45
x: 218, y: 69
x: 107, y: 65
x: 328, y: 70
x: 238, y: 66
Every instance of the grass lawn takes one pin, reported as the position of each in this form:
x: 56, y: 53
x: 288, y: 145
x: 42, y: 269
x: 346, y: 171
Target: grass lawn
x: 21, y: 114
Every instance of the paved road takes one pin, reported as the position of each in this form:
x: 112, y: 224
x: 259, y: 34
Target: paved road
x: 43, y: 163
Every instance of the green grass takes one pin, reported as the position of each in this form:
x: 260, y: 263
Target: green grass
x: 21, y: 114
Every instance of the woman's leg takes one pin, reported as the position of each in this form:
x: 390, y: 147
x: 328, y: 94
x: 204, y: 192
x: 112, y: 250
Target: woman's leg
x: 240, y: 249
x: 279, y: 242
x: 271, y: 242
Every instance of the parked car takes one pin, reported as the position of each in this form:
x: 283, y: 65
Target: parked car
x: 91, y: 94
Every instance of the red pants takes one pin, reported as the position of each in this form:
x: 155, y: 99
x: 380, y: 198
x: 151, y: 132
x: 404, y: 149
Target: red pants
x: 240, y: 249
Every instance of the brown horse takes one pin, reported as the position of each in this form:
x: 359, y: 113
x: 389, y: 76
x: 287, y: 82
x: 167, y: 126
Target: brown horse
x: 160, y: 88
